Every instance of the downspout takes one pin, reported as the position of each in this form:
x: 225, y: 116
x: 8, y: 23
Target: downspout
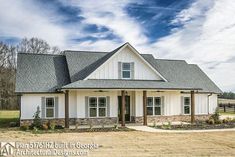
x: 208, y: 103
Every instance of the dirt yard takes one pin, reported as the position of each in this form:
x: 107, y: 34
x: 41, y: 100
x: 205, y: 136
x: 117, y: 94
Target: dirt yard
x: 140, y: 144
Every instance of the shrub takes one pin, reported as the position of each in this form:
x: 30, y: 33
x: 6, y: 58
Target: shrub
x: 211, y: 121
x: 44, y: 127
x: 215, y: 116
x: 227, y: 120
x: 13, y: 124
x: 35, y: 130
x: 219, y: 122
x: 24, y: 127
x: 37, y: 122
x: 166, y: 126
x: 59, y: 127
x: 116, y: 126
x: 51, y: 125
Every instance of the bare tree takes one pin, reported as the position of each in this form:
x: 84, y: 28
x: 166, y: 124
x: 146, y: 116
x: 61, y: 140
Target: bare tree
x: 55, y: 50
x: 8, y: 55
x: 3, y: 55
x: 8, y: 99
x: 36, y: 45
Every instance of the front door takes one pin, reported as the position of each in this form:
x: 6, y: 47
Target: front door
x: 127, y: 112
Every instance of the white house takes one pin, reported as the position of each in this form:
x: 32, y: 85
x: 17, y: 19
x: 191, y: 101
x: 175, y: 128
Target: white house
x: 111, y: 87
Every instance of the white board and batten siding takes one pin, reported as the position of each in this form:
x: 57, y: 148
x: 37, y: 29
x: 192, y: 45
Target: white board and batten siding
x: 109, y: 70
x: 172, y: 103
x: 81, y: 108
x: 30, y: 102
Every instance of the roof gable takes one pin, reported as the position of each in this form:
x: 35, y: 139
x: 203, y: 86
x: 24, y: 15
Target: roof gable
x: 100, y: 63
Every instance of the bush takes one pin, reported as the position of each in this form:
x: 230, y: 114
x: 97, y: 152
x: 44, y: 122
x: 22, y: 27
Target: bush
x: 13, y: 124
x: 216, y: 115
x: 219, y: 122
x: 116, y: 126
x: 44, y: 127
x: 227, y: 120
x: 37, y: 122
x: 59, y: 127
x: 211, y: 121
x: 51, y: 125
x: 35, y: 130
x: 166, y: 126
x: 24, y: 127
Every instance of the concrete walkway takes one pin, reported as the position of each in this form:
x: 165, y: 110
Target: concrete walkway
x: 150, y: 129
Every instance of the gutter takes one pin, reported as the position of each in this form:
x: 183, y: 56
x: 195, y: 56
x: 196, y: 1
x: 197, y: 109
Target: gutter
x: 208, y: 102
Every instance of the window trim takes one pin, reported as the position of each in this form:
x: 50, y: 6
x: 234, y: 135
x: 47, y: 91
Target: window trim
x: 187, y: 105
x: 97, y: 106
x: 122, y: 70
x: 154, y: 105
x: 49, y: 107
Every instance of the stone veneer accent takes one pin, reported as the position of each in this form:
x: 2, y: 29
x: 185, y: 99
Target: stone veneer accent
x: 184, y: 118
x: 59, y: 121
x: 96, y: 121
x: 73, y: 121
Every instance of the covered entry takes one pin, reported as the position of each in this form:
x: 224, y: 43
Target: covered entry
x: 127, y: 110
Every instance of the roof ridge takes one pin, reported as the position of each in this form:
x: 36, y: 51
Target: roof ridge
x: 45, y: 54
x: 86, y: 51
x: 170, y: 59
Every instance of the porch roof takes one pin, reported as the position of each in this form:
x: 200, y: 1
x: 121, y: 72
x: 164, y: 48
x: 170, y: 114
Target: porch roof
x: 126, y: 84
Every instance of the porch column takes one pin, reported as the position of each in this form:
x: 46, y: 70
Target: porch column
x: 123, y: 107
x: 192, y: 106
x: 144, y: 108
x: 66, y: 109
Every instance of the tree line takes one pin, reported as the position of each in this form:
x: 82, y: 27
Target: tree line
x: 227, y: 95
x: 8, y: 65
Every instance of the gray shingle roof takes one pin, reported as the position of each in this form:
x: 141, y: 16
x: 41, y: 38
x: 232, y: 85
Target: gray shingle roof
x: 78, y: 61
x: 125, y: 84
x: 41, y: 73
x: 94, y: 63
x: 46, y: 73
x: 181, y: 73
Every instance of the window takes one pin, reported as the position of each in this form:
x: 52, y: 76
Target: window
x: 97, y: 106
x: 154, y: 108
x: 50, y: 107
x: 93, y: 106
x: 149, y: 106
x: 187, y: 106
x: 157, y: 108
x: 126, y: 70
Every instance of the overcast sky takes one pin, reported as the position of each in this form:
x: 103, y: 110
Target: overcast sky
x: 199, y: 31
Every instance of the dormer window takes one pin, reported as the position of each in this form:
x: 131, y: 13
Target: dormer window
x: 126, y: 70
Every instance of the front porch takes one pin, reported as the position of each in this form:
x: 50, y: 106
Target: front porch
x: 122, y: 107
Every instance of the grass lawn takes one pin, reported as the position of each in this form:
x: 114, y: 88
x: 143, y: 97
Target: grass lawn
x: 7, y: 116
x: 227, y: 113
x: 139, y: 144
